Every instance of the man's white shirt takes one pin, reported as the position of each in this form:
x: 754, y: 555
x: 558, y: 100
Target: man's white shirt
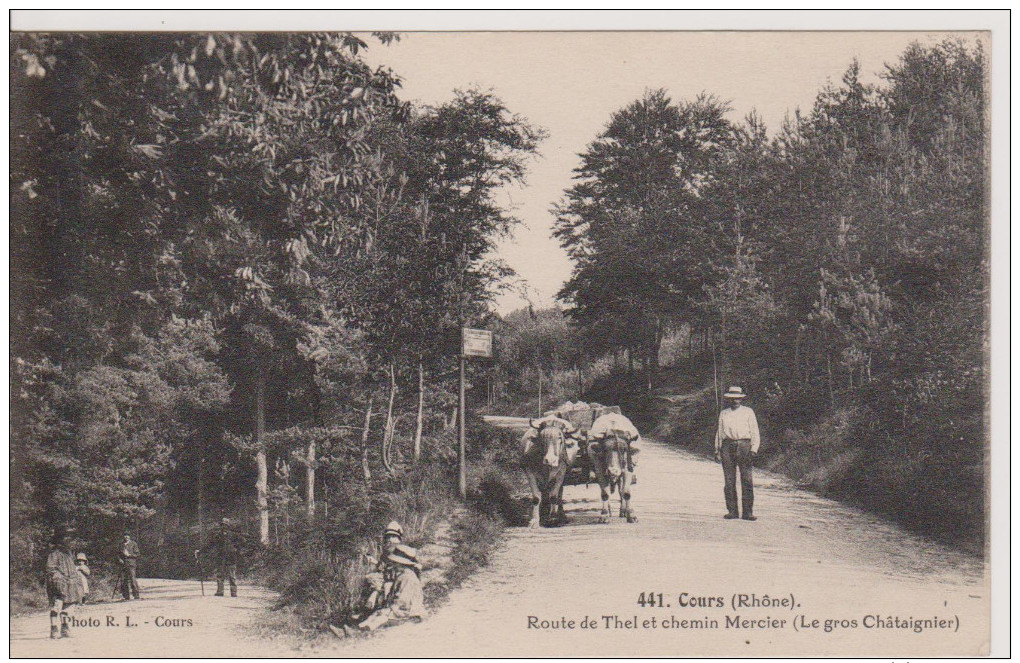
x: 738, y: 424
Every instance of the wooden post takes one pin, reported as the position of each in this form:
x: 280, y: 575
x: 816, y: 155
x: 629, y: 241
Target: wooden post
x: 462, y: 435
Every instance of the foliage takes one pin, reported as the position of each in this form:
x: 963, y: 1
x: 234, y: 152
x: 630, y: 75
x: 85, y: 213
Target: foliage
x: 840, y: 264
x: 629, y: 223
x: 221, y: 246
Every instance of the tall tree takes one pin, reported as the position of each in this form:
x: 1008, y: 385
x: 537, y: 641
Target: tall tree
x: 634, y: 222
x: 432, y: 217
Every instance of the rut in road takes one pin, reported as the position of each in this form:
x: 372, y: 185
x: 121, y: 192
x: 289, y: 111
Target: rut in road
x: 837, y: 563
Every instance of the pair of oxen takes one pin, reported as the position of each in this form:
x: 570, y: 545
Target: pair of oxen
x: 552, y: 446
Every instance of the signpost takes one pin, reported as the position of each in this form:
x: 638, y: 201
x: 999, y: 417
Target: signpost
x: 476, y: 343
x: 473, y: 343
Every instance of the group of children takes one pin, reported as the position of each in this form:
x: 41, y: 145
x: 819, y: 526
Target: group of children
x: 392, y: 591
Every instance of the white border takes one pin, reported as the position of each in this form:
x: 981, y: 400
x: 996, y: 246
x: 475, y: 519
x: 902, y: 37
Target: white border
x: 513, y: 19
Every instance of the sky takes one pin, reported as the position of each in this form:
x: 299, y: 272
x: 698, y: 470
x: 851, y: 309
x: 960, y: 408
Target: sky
x: 569, y: 83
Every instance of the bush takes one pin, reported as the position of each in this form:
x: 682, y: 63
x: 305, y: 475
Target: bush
x: 476, y: 535
x: 320, y: 576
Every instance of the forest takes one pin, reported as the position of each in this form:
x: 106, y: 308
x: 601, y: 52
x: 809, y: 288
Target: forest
x: 837, y: 268
x: 240, y: 265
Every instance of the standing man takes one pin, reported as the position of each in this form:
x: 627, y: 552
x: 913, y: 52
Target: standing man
x: 226, y: 559
x: 736, y: 443
x: 62, y: 586
x: 129, y: 567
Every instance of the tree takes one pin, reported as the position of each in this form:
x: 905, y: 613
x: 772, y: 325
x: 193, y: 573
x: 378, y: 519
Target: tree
x: 432, y: 218
x: 634, y: 222
x: 223, y: 162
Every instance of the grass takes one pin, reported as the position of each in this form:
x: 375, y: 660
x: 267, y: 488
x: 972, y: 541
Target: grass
x: 26, y: 596
x: 320, y: 583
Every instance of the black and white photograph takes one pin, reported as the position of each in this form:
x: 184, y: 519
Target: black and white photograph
x: 506, y: 334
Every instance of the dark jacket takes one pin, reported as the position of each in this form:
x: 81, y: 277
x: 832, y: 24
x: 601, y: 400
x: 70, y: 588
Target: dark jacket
x: 223, y: 547
x: 129, y: 554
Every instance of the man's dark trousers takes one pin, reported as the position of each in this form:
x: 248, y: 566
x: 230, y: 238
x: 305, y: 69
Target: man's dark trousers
x: 736, y: 454
x: 129, y: 580
x: 226, y: 572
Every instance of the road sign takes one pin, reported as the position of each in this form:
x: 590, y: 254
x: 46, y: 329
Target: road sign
x: 476, y: 343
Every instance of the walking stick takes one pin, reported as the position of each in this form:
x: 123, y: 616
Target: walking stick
x: 120, y: 581
x: 201, y: 576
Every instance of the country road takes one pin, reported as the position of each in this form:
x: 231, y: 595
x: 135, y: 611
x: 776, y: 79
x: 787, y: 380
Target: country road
x: 173, y: 619
x: 824, y: 561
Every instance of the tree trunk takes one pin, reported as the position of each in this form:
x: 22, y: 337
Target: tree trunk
x: 796, y: 354
x: 652, y: 361
x: 283, y: 473
x: 539, y: 390
x: 366, y: 472
x: 201, y: 496
x: 715, y: 375
x: 310, y: 480
x: 387, y: 439
x: 421, y: 412
x: 312, y: 452
x: 648, y: 373
x: 262, y: 481
x: 828, y: 369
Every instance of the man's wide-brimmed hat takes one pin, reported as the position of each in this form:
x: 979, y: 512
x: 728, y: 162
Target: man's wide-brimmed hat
x: 393, y: 528
x: 82, y: 557
x: 735, y: 392
x: 405, y: 556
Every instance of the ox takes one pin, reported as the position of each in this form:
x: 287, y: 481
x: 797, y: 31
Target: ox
x: 548, y: 449
x: 612, y: 453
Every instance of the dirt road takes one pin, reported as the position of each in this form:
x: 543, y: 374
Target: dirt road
x: 837, y: 562
x: 821, y: 560
x: 172, y: 619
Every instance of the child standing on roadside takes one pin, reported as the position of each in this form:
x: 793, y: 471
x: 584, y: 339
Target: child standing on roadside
x: 81, y: 565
